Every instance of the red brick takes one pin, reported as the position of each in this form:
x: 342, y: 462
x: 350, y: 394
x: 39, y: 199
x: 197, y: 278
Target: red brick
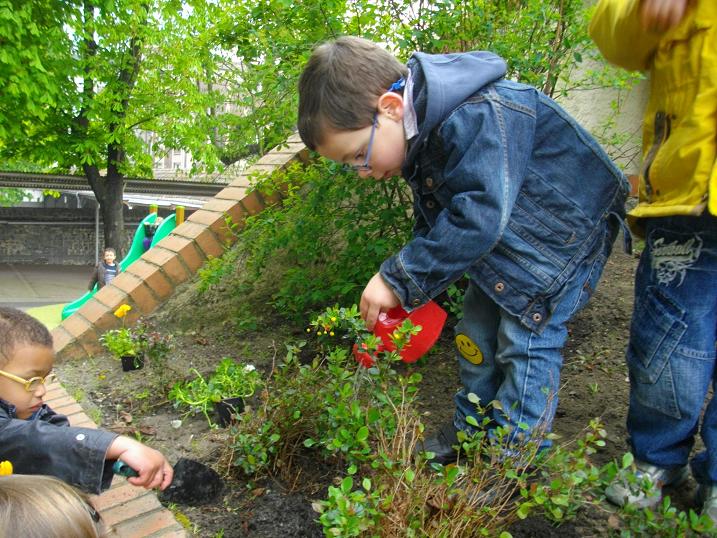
x: 58, y: 399
x: 242, y: 182
x: 120, y: 492
x: 216, y: 222
x: 276, y: 159
x: 139, y: 292
x: 82, y: 421
x: 76, y: 325
x: 130, y: 509
x: 153, y: 277
x: 68, y: 409
x: 202, y: 236
x: 172, y: 534
x: 185, y: 249
x: 60, y: 337
x: 169, y: 263
x: 55, y: 392
x: 253, y: 203
x: 111, y: 296
x: 232, y: 209
x: 295, y: 148
x: 232, y: 193
x: 70, y: 351
x: 149, y: 524
x: 260, y: 169
x: 272, y: 199
x: 100, y: 316
x: 90, y: 342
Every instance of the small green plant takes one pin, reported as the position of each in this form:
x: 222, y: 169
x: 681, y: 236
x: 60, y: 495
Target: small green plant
x: 155, y: 345
x: 454, y: 304
x: 122, y: 342
x: 229, y: 380
x: 349, y: 512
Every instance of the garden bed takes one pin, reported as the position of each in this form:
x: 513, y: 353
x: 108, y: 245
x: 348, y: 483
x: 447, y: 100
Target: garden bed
x: 594, y: 384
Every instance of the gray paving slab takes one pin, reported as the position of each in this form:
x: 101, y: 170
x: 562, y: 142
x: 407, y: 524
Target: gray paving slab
x: 25, y: 286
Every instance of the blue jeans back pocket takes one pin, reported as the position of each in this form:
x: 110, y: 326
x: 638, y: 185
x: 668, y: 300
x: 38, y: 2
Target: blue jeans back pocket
x: 657, y: 328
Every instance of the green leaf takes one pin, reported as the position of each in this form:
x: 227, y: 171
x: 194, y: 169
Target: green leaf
x: 362, y: 434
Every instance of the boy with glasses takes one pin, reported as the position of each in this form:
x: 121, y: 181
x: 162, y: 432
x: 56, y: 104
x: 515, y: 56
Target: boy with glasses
x: 36, y: 440
x: 507, y: 188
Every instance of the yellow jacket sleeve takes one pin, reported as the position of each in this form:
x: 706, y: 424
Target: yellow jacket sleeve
x: 615, y: 27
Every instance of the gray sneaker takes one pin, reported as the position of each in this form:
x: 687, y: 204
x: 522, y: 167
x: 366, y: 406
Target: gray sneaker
x: 707, y: 499
x: 643, y: 488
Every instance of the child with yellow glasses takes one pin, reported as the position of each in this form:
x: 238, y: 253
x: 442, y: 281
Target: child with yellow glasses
x: 39, y: 441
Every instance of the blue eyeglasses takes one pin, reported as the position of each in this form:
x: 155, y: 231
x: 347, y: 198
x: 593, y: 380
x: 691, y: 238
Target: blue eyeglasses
x: 365, y: 167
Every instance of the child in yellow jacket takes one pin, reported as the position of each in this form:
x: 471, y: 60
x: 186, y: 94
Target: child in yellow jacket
x: 671, y: 354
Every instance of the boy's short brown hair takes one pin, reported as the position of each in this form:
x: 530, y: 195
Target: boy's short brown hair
x: 18, y: 328
x: 109, y: 249
x: 340, y: 85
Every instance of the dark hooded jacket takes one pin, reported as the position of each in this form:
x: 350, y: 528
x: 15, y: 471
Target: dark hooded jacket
x: 507, y: 187
x: 47, y: 444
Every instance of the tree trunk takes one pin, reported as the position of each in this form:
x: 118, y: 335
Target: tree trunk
x: 109, y: 192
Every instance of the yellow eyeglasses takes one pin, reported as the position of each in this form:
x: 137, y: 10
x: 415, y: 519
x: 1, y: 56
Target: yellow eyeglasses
x: 31, y: 384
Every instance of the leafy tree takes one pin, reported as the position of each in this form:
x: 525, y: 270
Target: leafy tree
x: 79, y: 78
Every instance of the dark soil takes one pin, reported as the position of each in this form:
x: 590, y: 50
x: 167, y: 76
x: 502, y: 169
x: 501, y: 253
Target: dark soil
x: 594, y: 384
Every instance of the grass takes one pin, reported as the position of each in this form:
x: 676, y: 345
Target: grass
x: 50, y: 316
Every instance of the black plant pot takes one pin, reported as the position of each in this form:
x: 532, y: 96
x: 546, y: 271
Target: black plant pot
x: 132, y: 362
x: 227, y: 409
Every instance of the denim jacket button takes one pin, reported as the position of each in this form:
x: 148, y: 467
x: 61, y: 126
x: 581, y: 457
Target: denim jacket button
x: 537, y: 317
x: 429, y: 182
x: 430, y: 204
x: 499, y: 287
x: 416, y: 302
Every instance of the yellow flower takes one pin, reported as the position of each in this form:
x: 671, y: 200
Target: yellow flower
x: 122, y: 311
x: 5, y: 468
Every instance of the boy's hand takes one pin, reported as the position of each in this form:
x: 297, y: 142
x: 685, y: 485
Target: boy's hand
x: 377, y: 297
x: 154, y: 470
x: 661, y: 15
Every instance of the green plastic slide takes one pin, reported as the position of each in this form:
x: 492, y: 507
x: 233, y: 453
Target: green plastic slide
x: 169, y: 224
x: 135, y: 251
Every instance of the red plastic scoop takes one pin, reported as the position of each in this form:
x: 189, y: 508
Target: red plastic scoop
x: 431, y: 319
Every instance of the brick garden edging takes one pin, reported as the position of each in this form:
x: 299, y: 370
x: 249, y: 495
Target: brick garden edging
x: 152, y: 279
x: 135, y: 512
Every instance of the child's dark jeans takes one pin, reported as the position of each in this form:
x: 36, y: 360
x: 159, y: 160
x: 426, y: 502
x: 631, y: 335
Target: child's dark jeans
x: 671, y: 355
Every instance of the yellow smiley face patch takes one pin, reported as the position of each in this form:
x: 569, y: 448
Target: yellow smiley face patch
x: 468, y: 349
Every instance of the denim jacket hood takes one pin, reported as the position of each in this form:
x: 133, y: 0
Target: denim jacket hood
x: 507, y: 189
x: 444, y: 81
x: 47, y: 444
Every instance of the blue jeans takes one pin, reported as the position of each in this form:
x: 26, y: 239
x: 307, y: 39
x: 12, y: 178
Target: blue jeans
x: 671, y: 354
x: 501, y: 359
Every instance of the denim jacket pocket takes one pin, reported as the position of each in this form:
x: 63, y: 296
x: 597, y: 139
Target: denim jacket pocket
x: 657, y: 329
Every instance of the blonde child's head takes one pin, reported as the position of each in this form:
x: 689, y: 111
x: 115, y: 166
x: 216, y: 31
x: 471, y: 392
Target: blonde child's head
x: 37, y: 506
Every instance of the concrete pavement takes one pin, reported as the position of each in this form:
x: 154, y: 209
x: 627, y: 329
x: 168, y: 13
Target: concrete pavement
x: 25, y: 286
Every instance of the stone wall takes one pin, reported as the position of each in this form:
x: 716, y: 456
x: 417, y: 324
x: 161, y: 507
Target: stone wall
x: 50, y: 235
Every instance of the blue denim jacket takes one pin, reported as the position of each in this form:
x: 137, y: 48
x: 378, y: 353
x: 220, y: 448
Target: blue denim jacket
x: 507, y: 187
